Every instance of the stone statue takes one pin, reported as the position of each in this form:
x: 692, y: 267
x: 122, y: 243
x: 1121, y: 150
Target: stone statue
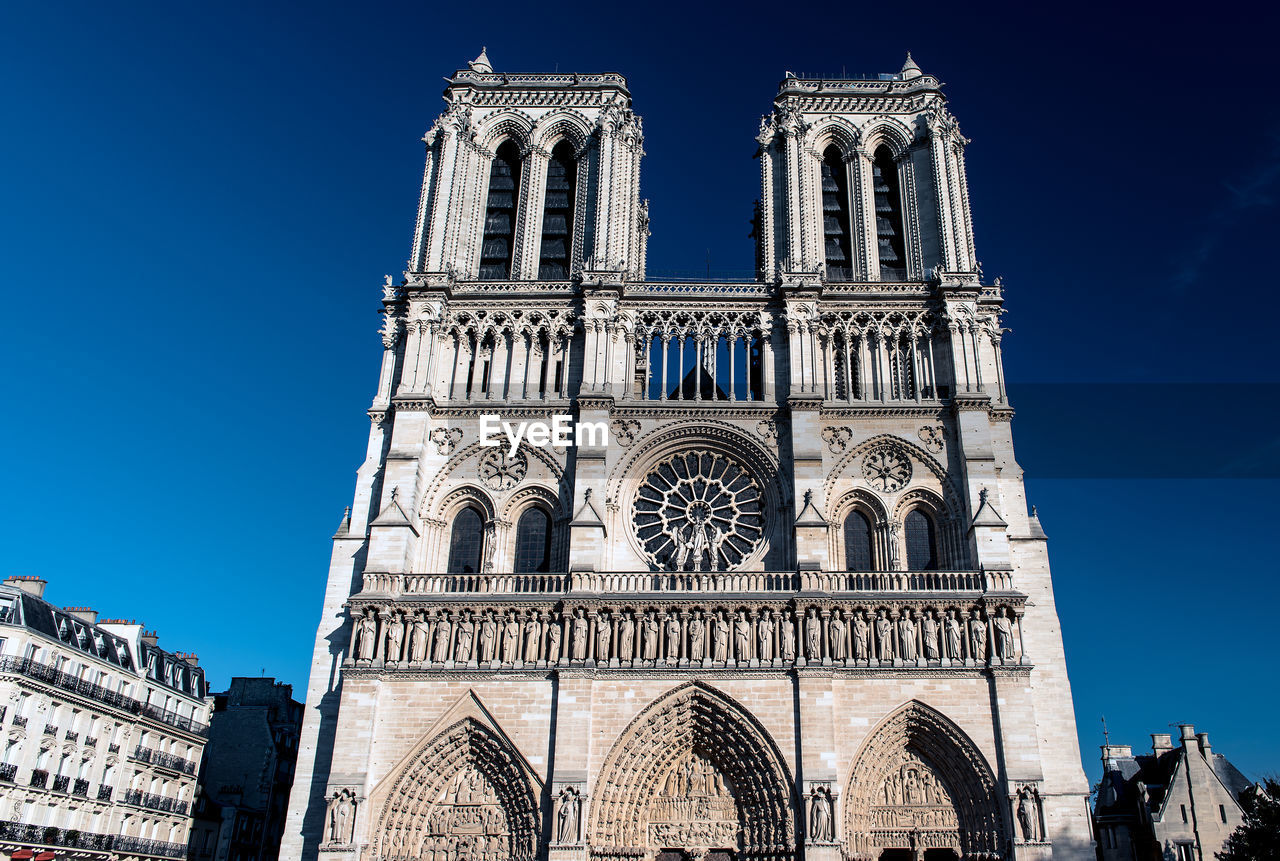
x: 820, y: 825
x: 395, y: 638
x: 721, y: 638
x: 553, y: 640
x: 649, y: 627
x: 466, y: 630
x: 418, y: 642
x: 673, y: 637
x: 839, y: 636
x: 511, y: 639
x: 929, y: 628
x: 532, y: 638
x: 698, y: 546
x: 861, y: 636
x: 717, y: 542
x: 626, y: 637
x: 341, y: 817
x: 907, y: 632
x: 884, y: 636
x: 742, y: 637
x: 682, y: 548
x: 697, y: 633
x: 442, y: 640
x: 1004, y: 635
x: 1029, y: 815
x: 954, y: 644
x: 366, y: 635
x: 787, y: 636
x: 978, y: 636
x: 603, y: 633
x: 813, y: 636
x: 578, y: 641
x: 764, y: 636
x: 488, y: 638
x: 567, y: 816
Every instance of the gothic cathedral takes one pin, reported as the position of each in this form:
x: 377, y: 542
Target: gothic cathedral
x: 709, y: 570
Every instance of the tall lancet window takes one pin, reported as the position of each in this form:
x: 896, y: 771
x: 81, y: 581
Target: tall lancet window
x: 889, y: 233
x: 835, y: 216
x: 466, y: 542
x: 857, y: 542
x: 557, y: 214
x: 922, y: 542
x: 500, y: 214
x: 533, y: 542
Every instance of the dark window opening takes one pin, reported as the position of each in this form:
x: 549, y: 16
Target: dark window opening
x: 922, y: 542
x: 498, y: 246
x: 857, y: 542
x: 533, y: 542
x: 888, y: 202
x: 466, y: 542
x: 835, y: 216
x: 557, y: 214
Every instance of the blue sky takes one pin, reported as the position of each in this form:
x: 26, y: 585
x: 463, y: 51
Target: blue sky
x: 200, y: 201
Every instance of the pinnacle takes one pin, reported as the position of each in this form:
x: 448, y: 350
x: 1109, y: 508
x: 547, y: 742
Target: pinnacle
x: 909, y: 69
x: 481, y: 63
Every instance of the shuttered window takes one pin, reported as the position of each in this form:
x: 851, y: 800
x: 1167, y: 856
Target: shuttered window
x: 500, y: 214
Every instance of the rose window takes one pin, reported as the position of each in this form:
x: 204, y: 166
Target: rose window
x: 698, y: 511
x: 500, y: 472
x: 886, y: 469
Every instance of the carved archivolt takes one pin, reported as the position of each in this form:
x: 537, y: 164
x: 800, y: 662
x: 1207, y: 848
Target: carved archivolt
x: 694, y: 769
x: 464, y: 794
x: 920, y: 782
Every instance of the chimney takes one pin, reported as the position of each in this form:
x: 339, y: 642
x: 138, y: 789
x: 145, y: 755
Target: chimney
x: 84, y: 614
x: 1203, y: 738
x: 1160, y: 742
x: 190, y: 657
x: 30, y: 585
x: 1111, y: 752
x: 150, y: 637
x: 1188, y: 732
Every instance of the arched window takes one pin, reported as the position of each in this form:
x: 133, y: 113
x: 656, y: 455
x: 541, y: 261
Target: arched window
x: 466, y: 542
x: 889, y: 232
x: 557, y: 214
x: 500, y: 214
x: 922, y: 542
x: 533, y: 542
x: 857, y: 543
x: 835, y: 216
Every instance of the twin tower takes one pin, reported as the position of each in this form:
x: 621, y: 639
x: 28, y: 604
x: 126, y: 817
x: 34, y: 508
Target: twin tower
x: 778, y: 595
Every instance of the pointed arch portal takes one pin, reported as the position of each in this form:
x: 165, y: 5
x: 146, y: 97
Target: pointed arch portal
x: 920, y: 783
x: 694, y: 771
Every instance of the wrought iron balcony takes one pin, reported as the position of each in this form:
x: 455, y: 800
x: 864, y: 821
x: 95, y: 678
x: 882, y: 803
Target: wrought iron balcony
x: 71, y: 736
x: 104, y: 793
x: 39, y: 778
x: 90, y: 741
x: 8, y: 772
x: 139, y: 798
x: 164, y: 760
x: 19, y: 721
x: 80, y: 787
x: 113, y: 748
x: 70, y: 838
x: 50, y: 729
x: 60, y: 782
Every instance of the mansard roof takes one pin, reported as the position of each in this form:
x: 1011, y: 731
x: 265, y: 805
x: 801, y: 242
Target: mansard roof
x: 1119, y: 795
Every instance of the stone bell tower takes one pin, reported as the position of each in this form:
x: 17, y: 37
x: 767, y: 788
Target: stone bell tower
x: 778, y: 597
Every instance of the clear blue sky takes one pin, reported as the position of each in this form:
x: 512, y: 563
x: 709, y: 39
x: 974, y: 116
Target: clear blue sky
x: 200, y: 200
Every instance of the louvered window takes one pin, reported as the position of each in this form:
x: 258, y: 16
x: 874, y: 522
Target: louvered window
x: 500, y: 214
x: 466, y: 542
x: 557, y: 214
x: 889, y: 232
x: 857, y: 542
x: 533, y: 542
x: 922, y: 542
x: 835, y: 216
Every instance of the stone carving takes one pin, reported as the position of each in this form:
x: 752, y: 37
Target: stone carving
x: 488, y: 638
x: 532, y: 638
x: 839, y: 636
x: 768, y: 429
x: 978, y: 636
x: 466, y: 630
x: 698, y: 511
x: 625, y: 431
x: 649, y: 627
x: 568, y: 812
x: 395, y: 637
x: 510, y: 639
x: 695, y: 807
x: 697, y: 634
x: 578, y: 636
x: 742, y: 637
x: 884, y: 636
x: 836, y: 438
x: 886, y: 468
x: 787, y: 638
x: 1004, y: 634
x: 626, y: 637
x: 813, y: 636
x: 366, y: 636
x: 861, y: 637
x: 441, y: 653
x: 1029, y: 814
x: 340, y: 818
x: 673, y: 638
x: 907, y: 631
x: 764, y: 633
x: 553, y: 641
x: 418, y: 640
x: 933, y: 437
x: 500, y: 472
x: 821, y: 826
x: 446, y: 439
x: 721, y: 638
x: 929, y: 630
x: 603, y: 634
x: 954, y: 636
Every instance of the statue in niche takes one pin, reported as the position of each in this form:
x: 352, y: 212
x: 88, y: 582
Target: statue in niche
x: 787, y: 637
x: 532, y: 638
x: 954, y: 636
x: 742, y: 637
x: 820, y: 819
x: 341, y: 819
x: 764, y: 636
x: 441, y: 653
x: 1029, y: 814
x: 466, y: 631
x: 603, y: 633
x: 578, y: 642
x: 511, y: 639
x: 839, y: 632
x: 929, y: 628
x: 884, y: 636
x: 626, y: 637
x: 978, y: 636
x: 649, y: 627
x: 907, y: 631
x: 570, y: 805
x: 366, y: 636
x: 1004, y: 635
x: 488, y: 638
x: 721, y: 638
x: 673, y: 637
x: 395, y: 637
x: 813, y: 636
x: 697, y: 633
x: 553, y: 639
x: 418, y: 641
x: 861, y: 636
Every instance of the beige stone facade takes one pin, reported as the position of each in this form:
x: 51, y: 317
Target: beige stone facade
x: 782, y: 597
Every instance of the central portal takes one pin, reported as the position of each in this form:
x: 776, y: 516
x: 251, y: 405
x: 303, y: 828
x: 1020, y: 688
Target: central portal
x: 696, y: 808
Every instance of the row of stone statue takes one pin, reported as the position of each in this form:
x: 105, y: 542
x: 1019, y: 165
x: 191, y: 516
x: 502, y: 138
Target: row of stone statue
x: 681, y: 637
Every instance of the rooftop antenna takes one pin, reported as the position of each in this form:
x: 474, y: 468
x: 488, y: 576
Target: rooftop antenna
x: 1106, y: 736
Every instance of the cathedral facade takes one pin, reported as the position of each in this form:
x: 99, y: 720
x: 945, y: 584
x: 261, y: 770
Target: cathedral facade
x: 669, y: 570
